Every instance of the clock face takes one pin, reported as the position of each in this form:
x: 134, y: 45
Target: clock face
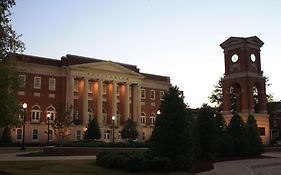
x: 253, y: 57
x: 234, y: 58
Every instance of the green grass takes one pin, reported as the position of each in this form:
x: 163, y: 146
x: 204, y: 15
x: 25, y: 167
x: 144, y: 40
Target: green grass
x: 4, y: 150
x: 66, y: 167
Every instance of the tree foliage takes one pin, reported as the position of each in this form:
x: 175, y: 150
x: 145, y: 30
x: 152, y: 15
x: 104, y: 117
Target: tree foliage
x: 172, y: 137
x: 93, y: 130
x: 207, y: 132
x: 129, y: 130
x: 62, y: 123
x: 9, y: 44
x: 253, y: 137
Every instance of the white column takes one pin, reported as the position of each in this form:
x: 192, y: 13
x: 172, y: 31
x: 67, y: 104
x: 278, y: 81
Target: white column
x: 114, y: 99
x: 136, y: 102
x: 85, y: 102
x: 70, y: 92
x: 127, y: 101
x: 99, y: 106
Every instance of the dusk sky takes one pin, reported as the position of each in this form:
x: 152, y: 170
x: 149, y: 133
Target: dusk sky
x: 175, y: 38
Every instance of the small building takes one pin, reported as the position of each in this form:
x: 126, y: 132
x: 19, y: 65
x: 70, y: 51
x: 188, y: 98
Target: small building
x: 274, y: 109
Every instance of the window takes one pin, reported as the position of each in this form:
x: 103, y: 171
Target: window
x: 22, y: 80
x: 152, y: 119
x: 142, y: 93
x: 143, y: 118
x: 21, y: 114
x: 52, y: 84
x: 78, y: 135
x: 52, y: 111
x: 118, y: 117
x: 76, y: 85
x: 90, y: 114
x: 152, y: 94
x: 35, y: 114
x: 104, y: 89
x: 19, y: 134
x: 37, y: 82
x: 143, y: 135
x: 119, y: 135
x: 106, y: 135
x: 90, y: 88
x: 35, y: 134
x: 161, y: 95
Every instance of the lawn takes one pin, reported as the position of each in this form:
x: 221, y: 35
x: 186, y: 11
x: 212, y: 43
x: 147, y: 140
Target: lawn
x: 68, y: 167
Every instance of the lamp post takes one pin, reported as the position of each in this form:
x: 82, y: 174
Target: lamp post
x: 24, y: 106
x: 48, y: 118
x: 158, y: 112
x: 113, y: 121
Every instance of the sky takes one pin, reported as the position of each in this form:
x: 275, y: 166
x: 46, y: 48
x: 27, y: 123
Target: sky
x: 175, y: 38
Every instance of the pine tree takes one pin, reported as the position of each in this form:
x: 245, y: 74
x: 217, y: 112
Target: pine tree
x: 207, y: 132
x: 255, y: 142
x: 129, y: 130
x: 236, y: 129
x: 172, y: 137
x: 93, y: 131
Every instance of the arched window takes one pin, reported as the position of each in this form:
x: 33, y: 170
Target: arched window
x: 35, y: 114
x: 104, y: 114
x: 235, y: 98
x: 143, y: 119
x: 90, y: 114
x: 152, y: 119
x: 52, y: 111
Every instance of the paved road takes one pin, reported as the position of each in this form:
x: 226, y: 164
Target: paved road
x: 266, y: 166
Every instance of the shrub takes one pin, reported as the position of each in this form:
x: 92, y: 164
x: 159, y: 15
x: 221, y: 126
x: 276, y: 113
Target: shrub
x: 136, y: 162
x: 111, y: 159
x: 160, y: 164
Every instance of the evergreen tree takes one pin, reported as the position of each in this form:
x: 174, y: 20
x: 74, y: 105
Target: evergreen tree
x: 236, y: 129
x: 93, y: 131
x: 6, y: 136
x: 129, y: 130
x: 9, y: 44
x: 207, y: 132
x: 253, y: 137
x: 172, y: 137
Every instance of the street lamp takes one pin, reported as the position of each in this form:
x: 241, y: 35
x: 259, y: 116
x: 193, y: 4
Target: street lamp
x: 158, y: 112
x: 24, y: 106
x: 113, y: 121
x: 48, y: 117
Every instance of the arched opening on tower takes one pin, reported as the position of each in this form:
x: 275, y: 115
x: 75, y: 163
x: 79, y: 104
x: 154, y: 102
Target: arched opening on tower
x: 257, y: 97
x: 235, y: 98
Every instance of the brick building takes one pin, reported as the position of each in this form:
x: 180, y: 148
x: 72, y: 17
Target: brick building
x: 275, y: 120
x: 95, y: 88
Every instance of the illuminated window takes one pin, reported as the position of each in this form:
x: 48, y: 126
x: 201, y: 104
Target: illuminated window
x: 142, y: 93
x: 52, y: 111
x: 78, y: 135
x: 143, y: 117
x: 104, y: 89
x: 37, y: 82
x: 22, y: 80
x: 152, y: 94
x: 52, y: 84
x: 35, y: 134
x: 152, y: 119
x: 18, y: 134
x: 35, y: 114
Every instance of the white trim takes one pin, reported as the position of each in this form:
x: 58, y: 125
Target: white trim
x: 52, y: 84
x: 20, y: 134
x: 143, y: 93
x: 152, y: 94
x: 37, y: 82
x: 32, y: 134
x: 22, y: 80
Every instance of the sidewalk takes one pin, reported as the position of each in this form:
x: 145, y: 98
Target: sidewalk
x: 14, y: 157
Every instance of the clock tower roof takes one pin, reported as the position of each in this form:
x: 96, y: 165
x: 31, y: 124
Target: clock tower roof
x: 238, y: 42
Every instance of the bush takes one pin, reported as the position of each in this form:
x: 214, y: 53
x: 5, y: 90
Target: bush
x: 160, y: 164
x: 136, y: 162
x: 112, y: 159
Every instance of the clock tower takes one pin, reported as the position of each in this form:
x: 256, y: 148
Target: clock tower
x: 243, y: 84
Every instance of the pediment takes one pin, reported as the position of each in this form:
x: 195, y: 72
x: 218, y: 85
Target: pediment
x: 106, y: 66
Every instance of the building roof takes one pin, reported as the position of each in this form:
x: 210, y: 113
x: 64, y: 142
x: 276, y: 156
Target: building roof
x: 237, y: 41
x: 69, y: 60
